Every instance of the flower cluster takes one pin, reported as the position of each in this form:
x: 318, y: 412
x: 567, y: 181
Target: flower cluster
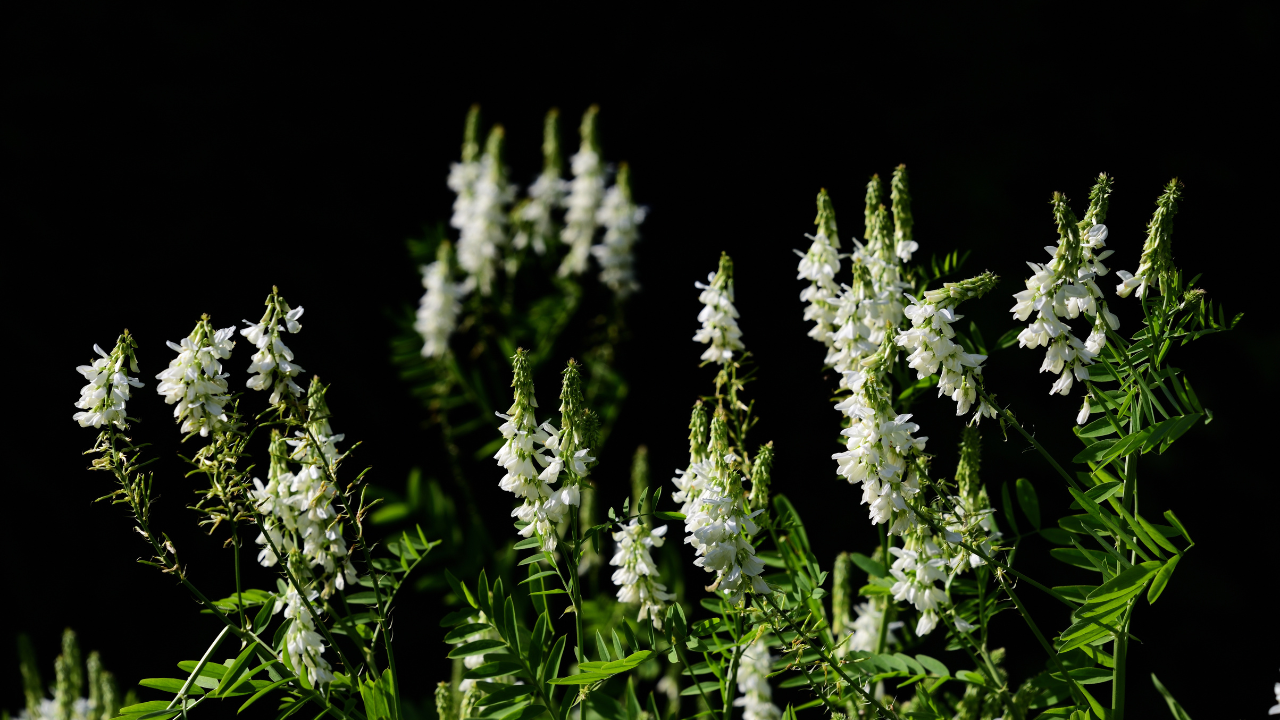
x: 918, y: 566
x: 586, y: 191
x: 720, y: 525
x: 440, y: 306
x: 479, y: 213
x: 868, y: 309
x: 689, y: 483
x: 1065, y: 288
x: 1156, y: 263
x: 932, y: 348
x: 718, y: 316
x: 620, y: 217
x: 273, y: 362
x: 755, y: 695
x: 637, y: 575
x: 194, y: 380
x: 302, y: 644
x: 880, y: 449
x: 819, y: 266
x: 104, y: 399
x: 298, y: 512
x: 543, y: 507
x: 546, y: 194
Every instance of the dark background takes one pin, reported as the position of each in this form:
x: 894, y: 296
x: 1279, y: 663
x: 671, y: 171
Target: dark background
x: 160, y: 165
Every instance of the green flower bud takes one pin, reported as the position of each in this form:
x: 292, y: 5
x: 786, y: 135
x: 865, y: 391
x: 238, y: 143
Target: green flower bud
x: 875, y: 196
x: 1157, y: 251
x: 445, y: 702
x: 952, y: 294
x: 698, y: 433
x: 471, y: 136
x: 552, y: 161
x: 842, y: 597
x: 761, y: 474
x: 1098, y: 202
x: 900, y: 195
x: 639, y: 478
x: 826, y: 220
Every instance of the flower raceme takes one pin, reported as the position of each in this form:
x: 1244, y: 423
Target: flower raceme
x: 586, y: 192
x: 438, y: 311
x: 620, y: 217
x: 303, y: 646
x: 718, y: 316
x: 543, y: 506
x: 546, y: 194
x: 194, y: 380
x: 637, y: 575
x: 755, y: 695
x: 480, y: 213
x: 103, y: 400
x: 273, y: 362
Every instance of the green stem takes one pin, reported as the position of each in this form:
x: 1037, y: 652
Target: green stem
x: 235, y: 543
x: 575, y: 592
x: 884, y: 615
x: 199, y: 666
x: 880, y: 709
x: 731, y: 677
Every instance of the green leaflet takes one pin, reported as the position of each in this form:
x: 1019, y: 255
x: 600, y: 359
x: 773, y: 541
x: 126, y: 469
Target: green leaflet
x: 1162, y: 578
x: 1174, y: 707
x: 1028, y: 501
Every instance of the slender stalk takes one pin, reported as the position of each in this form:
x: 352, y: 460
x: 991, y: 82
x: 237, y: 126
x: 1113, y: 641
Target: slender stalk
x: 182, y: 694
x: 731, y: 677
x: 575, y: 592
x: 235, y: 544
x: 880, y: 709
x: 884, y: 615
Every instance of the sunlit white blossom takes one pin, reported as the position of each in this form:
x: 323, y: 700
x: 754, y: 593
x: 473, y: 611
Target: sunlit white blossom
x: 755, y: 697
x: 637, y: 575
x: 302, y: 644
x: 194, y: 380
x: 620, y: 218
x: 104, y: 399
x: 439, y: 308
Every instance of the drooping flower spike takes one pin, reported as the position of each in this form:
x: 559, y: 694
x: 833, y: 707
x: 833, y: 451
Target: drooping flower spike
x: 441, y: 304
x: 719, y: 318
x: 586, y: 192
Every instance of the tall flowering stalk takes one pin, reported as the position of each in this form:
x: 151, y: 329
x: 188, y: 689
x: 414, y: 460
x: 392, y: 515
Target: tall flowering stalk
x: 438, y: 311
x: 1064, y: 288
x: 1156, y: 265
x: 538, y: 227
x: 273, y: 362
x: 104, y: 399
x: 719, y: 317
x: 621, y: 218
x: 195, y: 382
x: 482, y: 218
x: 637, y: 575
x: 586, y: 192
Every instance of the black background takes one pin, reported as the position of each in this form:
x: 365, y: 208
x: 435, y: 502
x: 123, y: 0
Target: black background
x: 160, y: 165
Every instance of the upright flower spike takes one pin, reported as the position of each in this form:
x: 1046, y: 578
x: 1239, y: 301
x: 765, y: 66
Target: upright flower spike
x: 464, y: 175
x: 194, y: 380
x: 755, y: 697
x: 482, y: 229
x: 586, y: 192
x: 516, y: 456
x: 569, y: 454
x: 971, y: 518
x: 932, y: 350
x: 918, y: 566
x: 440, y: 305
x: 69, y: 676
x: 620, y: 217
x: 689, y: 481
x: 1064, y: 288
x: 637, y: 575
x: 302, y: 644
x: 721, y: 526
x: 1156, y: 265
x: 881, y: 448
x: 761, y: 475
x: 104, y: 399
x: 903, y: 223
x: 718, y: 316
x: 273, y: 362
x: 819, y: 266
x: 546, y: 194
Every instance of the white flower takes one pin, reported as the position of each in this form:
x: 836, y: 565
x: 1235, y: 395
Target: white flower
x: 545, y: 195
x: 755, y: 695
x: 819, y: 266
x: 586, y: 191
x: 479, y: 215
x: 719, y: 529
x: 274, y: 360
x: 621, y: 220
x: 719, y: 318
x: 302, y: 643
x: 916, y: 572
x: 866, y: 629
x: 637, y: 575
x: 1275, y: 709
x: 104, y: 399
x: 194, y: 380
x: 932, y: 349
x: 1083, y: 416
x: 438, y: 311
